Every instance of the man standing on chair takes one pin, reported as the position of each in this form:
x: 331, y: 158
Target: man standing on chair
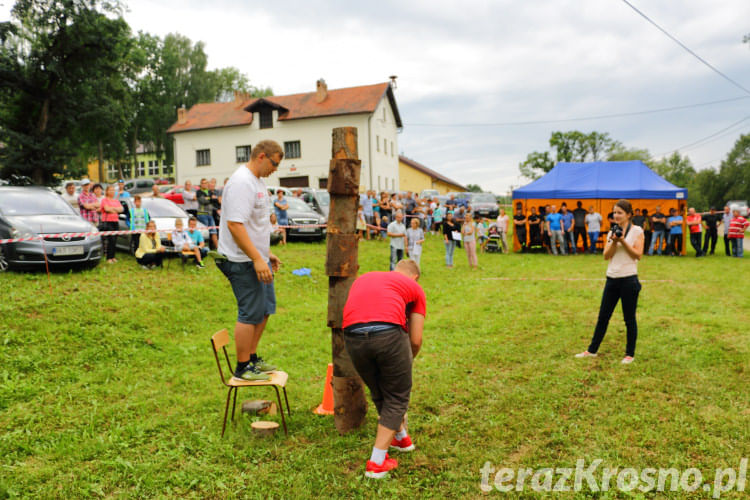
x: 246, y: 259
x: 383, y: 323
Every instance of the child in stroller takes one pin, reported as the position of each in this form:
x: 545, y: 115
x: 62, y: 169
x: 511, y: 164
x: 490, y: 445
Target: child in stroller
x: 493, y: 243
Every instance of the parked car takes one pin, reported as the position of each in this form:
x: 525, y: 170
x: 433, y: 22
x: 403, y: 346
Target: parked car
x: 138, y: 186
x: 740, y: 205
x: 462, y: 199
x: 161, y: 211
x: 485, y: 205
x: 318, y: 199
x: 35, y: 211
x: 173, y: 193
x: 300, y: 213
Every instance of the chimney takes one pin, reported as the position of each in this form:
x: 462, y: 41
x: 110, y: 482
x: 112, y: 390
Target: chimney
x: 393, y: 81
x: 321, y: 91
x: 182, y: 115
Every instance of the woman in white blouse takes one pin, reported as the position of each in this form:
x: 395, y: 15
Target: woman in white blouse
x: 623, y: 250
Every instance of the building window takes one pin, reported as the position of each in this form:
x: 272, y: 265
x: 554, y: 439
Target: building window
x: 385, y: 145
x: 292, y: 149
x: 266, y: 118
x: 141, y: 168
x: 111, y: 171
x: 391, y: 148
x: 378, y: 183
x: 202, y: 157
x: 153, y: 167
x: 167, y: 169
x: 243, y: 153
x: 377, y: 142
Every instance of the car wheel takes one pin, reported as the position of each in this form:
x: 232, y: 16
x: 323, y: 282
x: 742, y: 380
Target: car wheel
x: 132, y: 246
x: 3, y: 262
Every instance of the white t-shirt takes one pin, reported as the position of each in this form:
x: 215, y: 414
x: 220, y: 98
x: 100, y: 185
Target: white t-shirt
x: 621, y: 264
x: 245, y: 200
x: 180, y: 239
x: 72, y: 200
x: 502, y: 223
x: 594, y: 222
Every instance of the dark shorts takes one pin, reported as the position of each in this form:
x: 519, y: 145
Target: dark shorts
x: 255, y: 300
x: 207, y: 220
x: 384, y: 360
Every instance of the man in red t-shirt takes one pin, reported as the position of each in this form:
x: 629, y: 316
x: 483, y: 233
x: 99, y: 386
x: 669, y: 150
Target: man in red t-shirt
x: 381, y: 308
x: 694, y: 225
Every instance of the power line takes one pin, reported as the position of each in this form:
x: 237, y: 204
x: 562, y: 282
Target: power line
x: 699, y: 141
x: 579, y: 119
x: 644, y: 16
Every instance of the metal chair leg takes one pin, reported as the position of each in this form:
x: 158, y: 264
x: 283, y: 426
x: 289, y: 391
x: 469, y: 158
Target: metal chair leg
x: 281, y: 409
x: 234, y: 403
x: 289, y: 411
x: 226, y: 411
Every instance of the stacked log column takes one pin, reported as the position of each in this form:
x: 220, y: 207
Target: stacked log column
x: 350, y: 405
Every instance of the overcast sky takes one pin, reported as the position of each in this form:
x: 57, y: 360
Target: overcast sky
x: 479, y: 63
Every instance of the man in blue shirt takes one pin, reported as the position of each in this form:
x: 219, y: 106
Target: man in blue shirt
x: 555, y: 230
x: 567, y: 223
x: 674, y: 223
x: 196, y: 236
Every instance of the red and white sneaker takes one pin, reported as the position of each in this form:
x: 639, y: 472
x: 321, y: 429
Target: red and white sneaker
x: 376, y: 471
x: 404, y: 444
x: 585, y: 354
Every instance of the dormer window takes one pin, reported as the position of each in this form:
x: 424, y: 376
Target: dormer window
x: 266, y: 117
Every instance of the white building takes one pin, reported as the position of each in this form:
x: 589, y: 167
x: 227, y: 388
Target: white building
x: 212, y: 139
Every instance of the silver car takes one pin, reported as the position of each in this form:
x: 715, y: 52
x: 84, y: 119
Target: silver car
x: 37, y: 211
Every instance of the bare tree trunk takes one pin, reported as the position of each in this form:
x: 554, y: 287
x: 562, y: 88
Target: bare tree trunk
x: 349, y: 402
x: 101, y: 162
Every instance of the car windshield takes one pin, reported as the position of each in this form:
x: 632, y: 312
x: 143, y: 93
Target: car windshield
x: 483, y: 198
x: 324, y: 198
x: 165, y: 188
x: 34, y: 202
x: 297, y: 204
x: 162, y: 208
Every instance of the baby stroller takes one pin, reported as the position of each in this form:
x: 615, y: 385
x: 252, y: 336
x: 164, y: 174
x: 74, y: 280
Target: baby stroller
x: 494, y: 242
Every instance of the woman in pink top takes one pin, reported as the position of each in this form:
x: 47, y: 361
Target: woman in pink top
x: 110, y: 212
x: 623, y: 250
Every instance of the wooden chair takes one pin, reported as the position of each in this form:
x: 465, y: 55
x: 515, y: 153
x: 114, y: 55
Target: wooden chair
x: 219, y: 341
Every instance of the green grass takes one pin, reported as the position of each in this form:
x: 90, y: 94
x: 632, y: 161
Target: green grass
x: 109, y: 388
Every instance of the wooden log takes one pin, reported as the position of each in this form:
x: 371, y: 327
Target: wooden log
x: 339, y: 214
x: 341, y: 256
x: 263, y: 428
x: 343, y: 177
x: 344, y: 143
x: 256, y: 406
x: 350, y: 404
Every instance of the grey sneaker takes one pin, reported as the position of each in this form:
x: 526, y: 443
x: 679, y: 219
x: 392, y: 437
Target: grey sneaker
x: 252, y: 374
x: 264, y: 366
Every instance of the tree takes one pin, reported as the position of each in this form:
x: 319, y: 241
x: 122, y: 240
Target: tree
x: 572, y: 146
x: 60, y: 65
x: 473, y: 188
x: 676, y: 169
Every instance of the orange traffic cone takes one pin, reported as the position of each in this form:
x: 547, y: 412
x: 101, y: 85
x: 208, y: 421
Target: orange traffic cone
x: 326, y: 407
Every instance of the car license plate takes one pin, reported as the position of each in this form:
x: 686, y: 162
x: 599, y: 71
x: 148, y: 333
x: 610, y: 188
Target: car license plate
x: 307, y: 230
x: 73, y: 250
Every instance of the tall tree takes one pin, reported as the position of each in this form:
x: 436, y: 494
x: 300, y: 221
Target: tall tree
x: 59, y: 65
x: 571, y: 146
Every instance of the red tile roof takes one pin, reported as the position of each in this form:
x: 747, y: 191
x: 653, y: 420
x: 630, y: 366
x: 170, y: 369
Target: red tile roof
x: 430, y: 172
x: 345, y: 101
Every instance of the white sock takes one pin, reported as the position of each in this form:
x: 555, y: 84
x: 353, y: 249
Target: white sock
x: 401, y: 434
x: 378, y: 456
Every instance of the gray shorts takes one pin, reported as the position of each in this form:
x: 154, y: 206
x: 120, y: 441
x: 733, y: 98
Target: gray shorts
x: 255, y: 300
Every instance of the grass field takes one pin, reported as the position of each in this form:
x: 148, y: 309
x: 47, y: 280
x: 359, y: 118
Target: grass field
x: 109, y: 387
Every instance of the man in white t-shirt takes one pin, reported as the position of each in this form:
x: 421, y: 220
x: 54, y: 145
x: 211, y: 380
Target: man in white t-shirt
x: 244, y: 243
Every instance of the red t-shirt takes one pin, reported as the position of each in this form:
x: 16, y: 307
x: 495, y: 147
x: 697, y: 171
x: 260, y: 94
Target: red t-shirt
x: 695, y: 228
x: 386, y: 297
x: 107, y: 216
x: 737, y: 227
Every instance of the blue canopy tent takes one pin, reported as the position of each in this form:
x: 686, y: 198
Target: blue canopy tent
x: 600, y: 184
